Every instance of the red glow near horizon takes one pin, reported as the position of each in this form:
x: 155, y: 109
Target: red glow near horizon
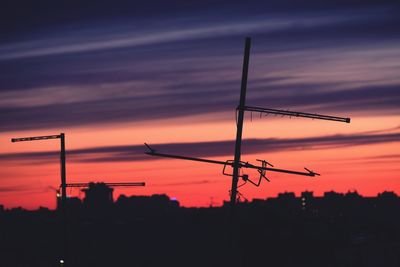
x: 31, y: 185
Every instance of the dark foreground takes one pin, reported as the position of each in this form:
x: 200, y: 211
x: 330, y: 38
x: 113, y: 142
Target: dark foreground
x: 335, y: 230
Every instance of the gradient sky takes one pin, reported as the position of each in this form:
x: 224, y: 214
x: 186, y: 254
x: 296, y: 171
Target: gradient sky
x: 112, y: 75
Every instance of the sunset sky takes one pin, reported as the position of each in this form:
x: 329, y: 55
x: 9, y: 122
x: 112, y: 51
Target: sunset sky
x: 112, y: 75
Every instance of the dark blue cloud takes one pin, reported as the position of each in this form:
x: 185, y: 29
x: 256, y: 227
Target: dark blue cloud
x: 64, y: 64
x: 382, y: 100
x: 125, y: 153
x: 27, y: 16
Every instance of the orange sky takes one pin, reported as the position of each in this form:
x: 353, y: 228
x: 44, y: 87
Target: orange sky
x: 199, y: 184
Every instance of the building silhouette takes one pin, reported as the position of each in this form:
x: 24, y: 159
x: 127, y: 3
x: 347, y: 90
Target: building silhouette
x: 98, y: 196
x: 332, y: 230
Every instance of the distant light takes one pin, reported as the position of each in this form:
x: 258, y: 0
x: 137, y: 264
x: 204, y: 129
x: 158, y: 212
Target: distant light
x: 58, y: 194
x: 62, y: 261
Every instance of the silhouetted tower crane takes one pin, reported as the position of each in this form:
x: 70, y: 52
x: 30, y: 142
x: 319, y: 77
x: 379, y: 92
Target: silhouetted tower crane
x: 63, y: 185
x: 127, y: 184
x: 237, y: 164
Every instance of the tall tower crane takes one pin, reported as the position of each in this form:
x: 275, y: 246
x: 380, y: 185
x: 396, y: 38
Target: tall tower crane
x: 63, y: 185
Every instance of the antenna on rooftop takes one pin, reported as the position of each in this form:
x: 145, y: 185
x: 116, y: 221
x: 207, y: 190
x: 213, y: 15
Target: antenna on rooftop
x: 237, y: 164
x: 242, y: 108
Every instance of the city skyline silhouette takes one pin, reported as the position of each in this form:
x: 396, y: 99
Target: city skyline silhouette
x: 304, y: 230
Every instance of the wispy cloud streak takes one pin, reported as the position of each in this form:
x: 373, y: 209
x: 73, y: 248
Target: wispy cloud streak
x: 204, y: 149
x: 133, y: 39
x: 381, y: 99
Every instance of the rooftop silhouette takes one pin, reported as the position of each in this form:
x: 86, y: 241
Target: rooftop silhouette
x: 331, y: 230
